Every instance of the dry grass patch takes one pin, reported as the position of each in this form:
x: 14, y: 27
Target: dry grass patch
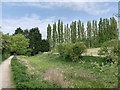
x: 55, y: 75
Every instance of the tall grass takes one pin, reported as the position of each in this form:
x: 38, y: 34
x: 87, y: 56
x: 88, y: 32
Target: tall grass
x: 24, y: 80
x: 87, y: 72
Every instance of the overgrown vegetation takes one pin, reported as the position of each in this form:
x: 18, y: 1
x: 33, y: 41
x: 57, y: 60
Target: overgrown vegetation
x: 25, y: 80
x: 110, y: 50
x: 71, y: 41
x: 71, y: 51
x: 89, y: 72
x: 5, y: 48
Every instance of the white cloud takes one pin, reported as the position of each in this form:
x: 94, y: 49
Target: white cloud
x: 93, y: 8
x: 9, y: 25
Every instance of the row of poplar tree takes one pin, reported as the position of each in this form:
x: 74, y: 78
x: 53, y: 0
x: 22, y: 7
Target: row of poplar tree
x: 94, y: 34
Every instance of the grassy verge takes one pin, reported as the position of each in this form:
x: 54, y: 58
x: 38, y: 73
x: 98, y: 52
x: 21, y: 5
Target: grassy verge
x: 89, y: 72
x: 23, y: 79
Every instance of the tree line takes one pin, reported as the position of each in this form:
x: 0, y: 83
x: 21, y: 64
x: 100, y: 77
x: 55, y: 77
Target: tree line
x: 93, y: 35
x: 27, y: 42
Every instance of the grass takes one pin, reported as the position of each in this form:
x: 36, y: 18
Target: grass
x: 89, y: 72
x: 23, y: 79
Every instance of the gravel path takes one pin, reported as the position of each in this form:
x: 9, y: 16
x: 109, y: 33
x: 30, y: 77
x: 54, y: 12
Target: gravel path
x: 5, y: 74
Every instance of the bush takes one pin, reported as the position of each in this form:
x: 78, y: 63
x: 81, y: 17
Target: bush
x: 110, y: 50
x: 5, y: 55
x: 71, y: 51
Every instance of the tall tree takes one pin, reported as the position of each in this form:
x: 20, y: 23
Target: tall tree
x: 62, y: 39
x: 82, y: 32
x: 19, y: 44
x: 59, y: 32
x: 44, y: 46
x: 100, y: 35
x: 35, y: 40
x: 54, y: 34
x: 72, y: 37
x: 19, y: 31
x: 26, y: 33
x: 73, y: 32
x: 113, y: 28
x: 89, y: 34
x: 65, y: 33
x: 79, y: 30
x: 49, y: 36
x: 95, y: 34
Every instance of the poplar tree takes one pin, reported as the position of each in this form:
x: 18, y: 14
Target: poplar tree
x: 100, y: 31
x: 96, y: 33
x: 79, y: 30
x: 67, y: 32
x: 113, y: 28
x: 82, y: 32
x: 49, y: 35
x: 59, y: 32
x: 54, y: 34
x: 89, y: 34
x: 62, y: 39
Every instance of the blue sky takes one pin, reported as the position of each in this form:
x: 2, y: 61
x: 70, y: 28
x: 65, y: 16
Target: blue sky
x: 39, y: 14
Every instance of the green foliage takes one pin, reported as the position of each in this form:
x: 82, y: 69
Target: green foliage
x: 19, y: 44
x: 71, y: 51
x: 6, y: 44
x: 54, y: 36
x: 45, y: 46
x: 94, y: 35
x: 89, y: 34
x: 19, y: 72
x: 110, y: 50
x: 5, y: 55
x: 89, y: 72
x: 25, y: 80
x: 49, y: 36
x: 59, y: 32
x: 61, y: 36
x: 73, y: 32
x: 35, y: 40
x: 19, y: 31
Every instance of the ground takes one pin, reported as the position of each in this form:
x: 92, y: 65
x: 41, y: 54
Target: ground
x: 5, y: 74
x: 89, y: 72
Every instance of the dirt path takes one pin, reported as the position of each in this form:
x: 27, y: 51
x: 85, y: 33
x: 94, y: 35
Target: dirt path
x: 5, y: 74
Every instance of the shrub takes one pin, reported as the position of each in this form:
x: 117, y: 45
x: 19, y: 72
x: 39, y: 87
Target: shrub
x: 5, y: 55
x: 71, y: 51
x: 110, y: 50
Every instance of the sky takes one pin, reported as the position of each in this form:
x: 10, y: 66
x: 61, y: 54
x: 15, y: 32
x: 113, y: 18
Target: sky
x: 28, y: 15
